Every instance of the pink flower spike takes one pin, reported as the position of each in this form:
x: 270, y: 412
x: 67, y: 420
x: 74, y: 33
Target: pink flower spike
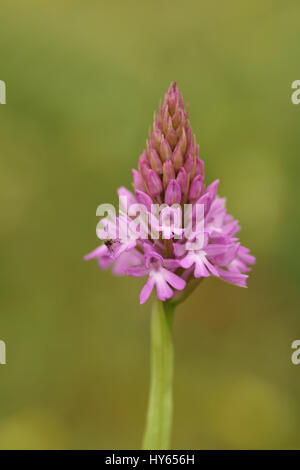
x: 162, y: 240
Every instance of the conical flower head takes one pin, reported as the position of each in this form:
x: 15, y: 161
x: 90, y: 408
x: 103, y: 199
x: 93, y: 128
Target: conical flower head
x: 171, y: 152
x: 182, y: 231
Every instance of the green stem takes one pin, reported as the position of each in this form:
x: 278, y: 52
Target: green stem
x: 159, y: 417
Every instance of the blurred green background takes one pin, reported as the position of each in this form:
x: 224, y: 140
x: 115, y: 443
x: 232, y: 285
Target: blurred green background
x: 83, y: 80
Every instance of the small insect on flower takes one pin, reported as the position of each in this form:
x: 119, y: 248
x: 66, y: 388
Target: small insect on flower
x: 170, y: 174
x: 110, y: 243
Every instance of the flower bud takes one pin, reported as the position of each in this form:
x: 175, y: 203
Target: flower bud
x: 182, y: 180
x: 177, y: 158
x: 156, y: 138
x: 165, y: 150
x: 168, y: 173
x: 137, y: 180
x: 172, y: 103
x: 165, y: 119
x: 173, y: 193
x: 143, y: 168
x: 154, y: 183
x: 178, y: 118
x: 195, y: 188
x: 200, y: 167
x: 182, y: 142
x: 189, y: 163
x: 171, y: 134
x: 155, y: 162
x: 190, y: 139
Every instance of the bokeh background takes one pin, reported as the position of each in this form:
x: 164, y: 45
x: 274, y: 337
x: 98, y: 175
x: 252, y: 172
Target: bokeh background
x: 83, y: 80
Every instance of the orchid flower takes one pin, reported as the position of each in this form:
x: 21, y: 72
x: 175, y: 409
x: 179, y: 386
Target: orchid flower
x: 170, y: 175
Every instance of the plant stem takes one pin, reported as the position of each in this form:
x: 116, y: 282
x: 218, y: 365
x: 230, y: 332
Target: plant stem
x: 160, y: 408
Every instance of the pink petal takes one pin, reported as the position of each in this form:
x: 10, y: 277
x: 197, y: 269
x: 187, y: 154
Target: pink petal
x: 171, y: 263
x: 126, y: 260
x: 174, y: 280
x: 222, y: 254
x: 212, y: 189
x: 211, y: 268
x: 146, y: 290
x: 200, y: 270
x: 179, y: 249
x: 164, y: 292
x: 100, y: 251
x: 233, y: 277
x: 144, y: 199
x: 124, y: 192
x: 137, y: 271
x: 187, y: 261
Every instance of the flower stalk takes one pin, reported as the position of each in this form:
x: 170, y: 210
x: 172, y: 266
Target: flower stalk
x: 160, y: 407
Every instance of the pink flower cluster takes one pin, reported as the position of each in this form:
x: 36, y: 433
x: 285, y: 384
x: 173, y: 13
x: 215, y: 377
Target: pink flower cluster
x: 171, y: 174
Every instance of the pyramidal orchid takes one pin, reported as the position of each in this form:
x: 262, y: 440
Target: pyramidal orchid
x: 174, y: 230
